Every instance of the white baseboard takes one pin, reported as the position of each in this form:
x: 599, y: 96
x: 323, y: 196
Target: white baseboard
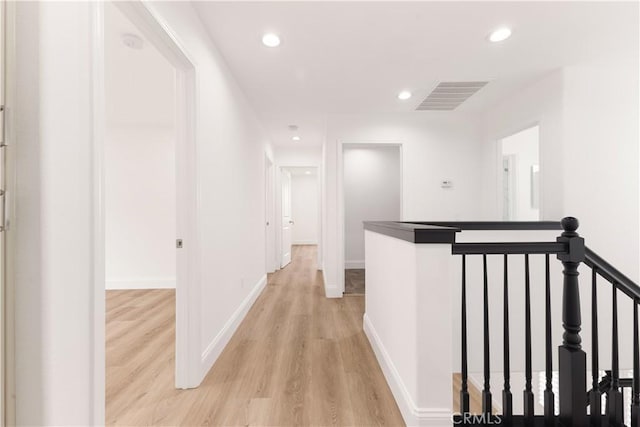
x: 213, y: 350
x: 141, y: 283
x: 348, y: 265
x: 413, y: 415
x: 305, y: 242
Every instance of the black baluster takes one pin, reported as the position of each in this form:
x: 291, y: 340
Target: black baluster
x: 528, y: 391
x: 549, y: 398
x: 635, y: 397
x: 486, y: 392
x: 572, y: 361
x: 507, y: 398
x: 595, y: 396
x: 615, y: 410
x: 464, y: 390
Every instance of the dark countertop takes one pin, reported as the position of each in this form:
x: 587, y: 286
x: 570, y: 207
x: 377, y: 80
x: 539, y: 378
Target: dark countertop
x: 445, y: 231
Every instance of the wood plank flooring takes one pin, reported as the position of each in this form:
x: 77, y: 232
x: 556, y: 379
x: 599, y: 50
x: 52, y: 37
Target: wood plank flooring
x: 298, y: 358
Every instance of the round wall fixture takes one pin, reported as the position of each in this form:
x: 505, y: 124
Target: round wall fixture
x: 133, y: 41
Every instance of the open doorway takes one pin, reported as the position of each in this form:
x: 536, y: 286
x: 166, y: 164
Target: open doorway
x: 372, y: 192
x: 147, y: 212
x: 520, y: 175
x: 299, y: 211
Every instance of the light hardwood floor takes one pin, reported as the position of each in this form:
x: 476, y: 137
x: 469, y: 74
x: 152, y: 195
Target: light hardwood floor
x: 298, y: 358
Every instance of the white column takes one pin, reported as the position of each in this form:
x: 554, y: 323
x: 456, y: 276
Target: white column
x: 53, y: 230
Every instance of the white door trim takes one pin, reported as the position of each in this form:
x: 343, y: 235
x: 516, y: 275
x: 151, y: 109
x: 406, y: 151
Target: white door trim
x: 188, y: 355
x: 7, y: 412
x: 286, y: 220
x: 340, y: 195
x: 271, y: 264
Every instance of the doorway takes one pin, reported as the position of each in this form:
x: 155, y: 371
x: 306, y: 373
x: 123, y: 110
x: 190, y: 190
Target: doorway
x: 372, y: 192
x: 299, y: 210
x: 135, y: 26
x: 520, y: 175
x: 140, y: 216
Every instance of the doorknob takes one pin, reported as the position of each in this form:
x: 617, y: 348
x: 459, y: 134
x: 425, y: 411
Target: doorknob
x: 291, y: 222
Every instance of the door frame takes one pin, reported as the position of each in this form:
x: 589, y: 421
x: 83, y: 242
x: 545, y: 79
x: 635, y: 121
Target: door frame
x: 340, y: 202
x: 278, y: 211
x: 269, y: 214
x: 8, y: 383
x: 513, y: 183
x: 188, y: 357
x: 281, y: 216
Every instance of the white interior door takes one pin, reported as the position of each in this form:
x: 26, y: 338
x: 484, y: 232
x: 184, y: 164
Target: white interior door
x: 287, y: 221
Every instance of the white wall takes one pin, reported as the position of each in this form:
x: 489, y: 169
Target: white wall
x: 434, y: 147
x: 304, y: 208
x: 523, y: 146
x: 372, y: 177
x: 60, y: 379
x: 601, y: 183
x: 539, y: 103
x: 140, y: 207
x: 298, y: 156
x: 588, y: 117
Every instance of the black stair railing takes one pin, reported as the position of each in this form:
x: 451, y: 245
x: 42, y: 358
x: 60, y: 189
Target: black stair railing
x: 578, y: 407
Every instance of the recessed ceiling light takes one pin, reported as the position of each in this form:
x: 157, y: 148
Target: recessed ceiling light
x: 308, y: 172
x: 404, y: 95
x: 271, y: 40
x: 500, y: 34
x: 296, y: 138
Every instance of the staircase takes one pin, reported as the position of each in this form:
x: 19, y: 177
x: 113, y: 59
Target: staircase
x: 579, y: 405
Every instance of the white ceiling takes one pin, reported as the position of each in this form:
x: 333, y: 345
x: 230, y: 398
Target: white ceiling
x: 354, y: 57
x: 139, y: 84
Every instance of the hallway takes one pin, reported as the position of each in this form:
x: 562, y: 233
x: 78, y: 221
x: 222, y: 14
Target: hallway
x: 298, y: 358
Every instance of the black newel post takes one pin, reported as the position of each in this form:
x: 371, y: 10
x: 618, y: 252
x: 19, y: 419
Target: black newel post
x: 571, y: 359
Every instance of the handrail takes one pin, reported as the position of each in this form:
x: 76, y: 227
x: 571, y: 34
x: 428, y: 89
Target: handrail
x: 572, y: 253
x: 493, y: 225
x: 493, y: 248
x: 611, y: 274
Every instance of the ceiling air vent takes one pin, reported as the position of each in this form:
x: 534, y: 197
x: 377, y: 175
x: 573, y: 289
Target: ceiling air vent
x: 449, y: 95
